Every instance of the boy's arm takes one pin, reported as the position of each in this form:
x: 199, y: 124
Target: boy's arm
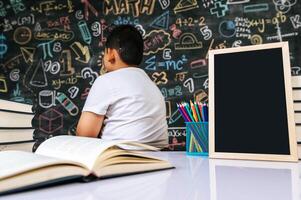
x: 89, y: 124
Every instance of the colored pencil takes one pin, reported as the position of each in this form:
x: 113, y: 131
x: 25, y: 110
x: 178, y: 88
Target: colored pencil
x: 205, y: 111
x: 189, y: 113
x: 193, y: 111
x: 186, y: 119
x: 200, y: 109
x: 197, y: 111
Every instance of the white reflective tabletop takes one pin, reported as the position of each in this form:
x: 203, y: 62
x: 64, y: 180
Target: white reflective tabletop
x: 194, y: 178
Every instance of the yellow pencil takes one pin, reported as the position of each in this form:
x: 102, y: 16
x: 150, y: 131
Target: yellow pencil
x: 195, y: 116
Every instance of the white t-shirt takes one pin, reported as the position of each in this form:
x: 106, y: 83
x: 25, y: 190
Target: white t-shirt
x: 133, y: 106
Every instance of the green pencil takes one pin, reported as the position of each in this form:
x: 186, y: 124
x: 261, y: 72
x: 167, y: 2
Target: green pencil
x: 189, y: 113
x: 197, y: 111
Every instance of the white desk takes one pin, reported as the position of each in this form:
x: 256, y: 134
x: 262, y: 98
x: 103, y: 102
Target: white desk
x: 195, y: 178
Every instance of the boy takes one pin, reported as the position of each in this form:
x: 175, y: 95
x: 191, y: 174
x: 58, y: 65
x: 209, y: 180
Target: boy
x: 124, y: 104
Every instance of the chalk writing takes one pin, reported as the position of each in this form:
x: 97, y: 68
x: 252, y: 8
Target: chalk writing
x: 73, y: 91
x: 126, y: 20
x: 227, y: 28
x: 188, y: 41
x: 175, y: 31
x: 88, y: 7
x: 175, y: 116
x: 22, y: 35
x: 17, y: 6
x: 57, y: 47
x: 296, y: 70
x: 83, y: 27
x: 51, y: 121
x: 260, y: 7
x: 156, y: 41
x: 256, y: 39
x: 296, y: 21
x: 160, y: 78
x: 67, y: 104
x: 168, y: 108
x: 219, y: 9
x: 87, y: 73
x: 201, y: 96
x: 61, y: 22
x: 284, y: 6
x: 134, y: 7
x: 54, y: 34
x: 52, y: 67
x: 185, y: 5
x: 57, y: 83
x: 167, y: 54
x: 39, y: 78
x: 189, y: 83
x: 66, y: 63
x: 3, y: 85
x: 46, y: 46
x: 171, y: 91
x: 47, y: 98
x: 162, y: 21
x: 180, y: 76
x: 3, y: 46
x: 14, y: 75
x: 164, y: 4
x: 50, y: 6
x: 28, y: 54
x: 82, y: 52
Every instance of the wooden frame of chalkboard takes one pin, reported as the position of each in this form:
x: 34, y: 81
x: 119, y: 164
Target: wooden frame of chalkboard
x: 250, y: 103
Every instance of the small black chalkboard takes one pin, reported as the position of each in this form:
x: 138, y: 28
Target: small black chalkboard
x: 250, y: 97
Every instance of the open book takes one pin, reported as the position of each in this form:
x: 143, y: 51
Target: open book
x: 64, y: 158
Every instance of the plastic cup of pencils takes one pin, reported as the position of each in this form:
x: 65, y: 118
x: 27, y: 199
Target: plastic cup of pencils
x: 197, y: 138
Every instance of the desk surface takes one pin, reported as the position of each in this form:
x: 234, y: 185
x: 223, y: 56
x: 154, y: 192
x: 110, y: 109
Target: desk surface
x: 195, y: 178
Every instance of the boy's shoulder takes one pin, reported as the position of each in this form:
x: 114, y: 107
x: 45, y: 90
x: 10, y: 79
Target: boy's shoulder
x: 120, y: 72
x: 107, y: 77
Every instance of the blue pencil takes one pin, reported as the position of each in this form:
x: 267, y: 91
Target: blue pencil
x: 205, y: 112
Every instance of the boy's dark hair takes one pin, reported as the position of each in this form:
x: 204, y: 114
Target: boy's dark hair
x: 128, y: 41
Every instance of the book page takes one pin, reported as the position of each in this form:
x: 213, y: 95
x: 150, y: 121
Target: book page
x: 15, y: 162
x: 79, y: 149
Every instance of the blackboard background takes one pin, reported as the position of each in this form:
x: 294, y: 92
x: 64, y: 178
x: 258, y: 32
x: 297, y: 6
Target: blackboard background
x: 187, y: 29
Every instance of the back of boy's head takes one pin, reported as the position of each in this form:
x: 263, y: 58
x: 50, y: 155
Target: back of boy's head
x: 128, y: 42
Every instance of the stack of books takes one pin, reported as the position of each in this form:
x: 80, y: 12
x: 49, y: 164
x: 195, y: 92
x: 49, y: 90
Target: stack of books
x: 296, y: 83
x: 16, y: 132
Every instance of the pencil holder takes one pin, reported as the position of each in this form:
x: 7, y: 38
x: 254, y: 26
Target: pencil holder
x: 197, y: 138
